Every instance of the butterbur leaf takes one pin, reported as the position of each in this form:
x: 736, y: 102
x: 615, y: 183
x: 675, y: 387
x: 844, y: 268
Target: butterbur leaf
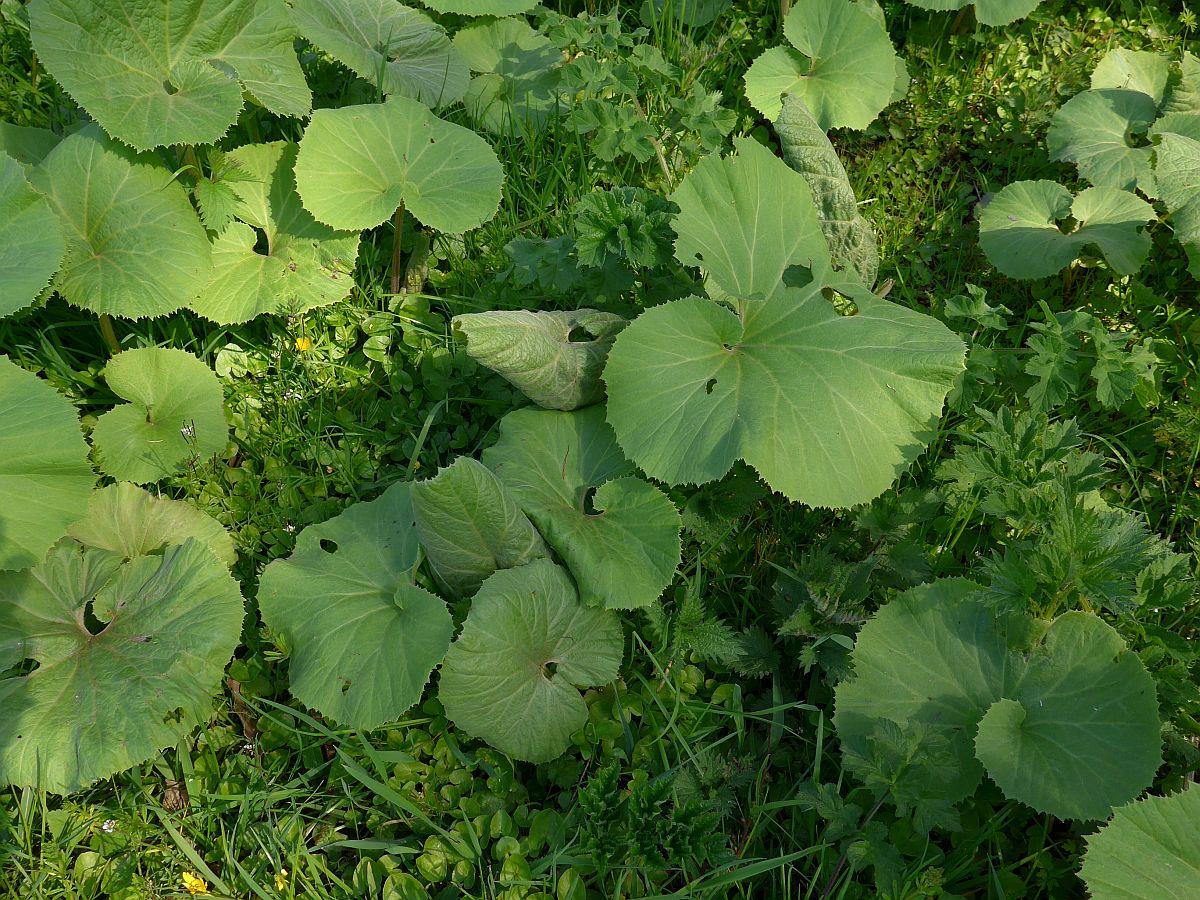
x: 1061, y: 715
x: 1183, y: 94
x: 1133, y: 70
x: 128, y: 522
x: 398, y: 49
x: 988, y: 12
x: 362, y: 637
x: 28, y: 146
x: 746, y: 219
x: 482, y: 7
x: 306, y: 264
x: 1178, y: 170
x: 1020, y: 233
x: 134, y: 245
x: 1148, y: 851
x: 841, y: 63
x: 829, y: 409
x: 129, y: 655
x: 1095, y: 129
x: 617, y: 534
x: 469, y: 526
x: 513, y: 676
x: 175, y: 414
x: 170, y: 71
x: 807, y: 150
x: 554, y: 358
x: 518, y: 82
x: 358, y: 163
x: 45, y: 479
x: 31, y: 239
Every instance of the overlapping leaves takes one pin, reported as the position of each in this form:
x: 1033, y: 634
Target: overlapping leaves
x: 31, y: 239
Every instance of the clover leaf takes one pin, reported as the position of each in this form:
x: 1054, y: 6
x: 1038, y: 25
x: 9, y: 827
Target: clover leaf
x: 841, y: 63
x: 362, y: 637
x: 554, y: 358
x: 134, y: 245
x: 170, y: 71
x: 617, y: 534
x: 305, y: 264
x: 175, y: 414
x: 127, y: 654
x: 513, y: 676
x: 1020, y: 234
x: 357, y: 164
x: 45, y: 478
x: 31, y: 239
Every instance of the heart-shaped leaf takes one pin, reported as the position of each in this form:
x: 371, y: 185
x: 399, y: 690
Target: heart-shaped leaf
x: 513, y: 676
x: 1096, y: 131
x: 31, y: 239
x: 618, y: 534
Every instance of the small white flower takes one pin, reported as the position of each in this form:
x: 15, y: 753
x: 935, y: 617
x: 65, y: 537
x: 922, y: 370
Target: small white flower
x: 109, y: 826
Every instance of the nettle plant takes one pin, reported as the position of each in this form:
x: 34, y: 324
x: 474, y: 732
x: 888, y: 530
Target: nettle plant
x: 1135, y: 136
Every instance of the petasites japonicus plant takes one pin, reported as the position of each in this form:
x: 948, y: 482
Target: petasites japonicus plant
x: 1059, y: 714
x: 988, y: 12
x: 829, y: 407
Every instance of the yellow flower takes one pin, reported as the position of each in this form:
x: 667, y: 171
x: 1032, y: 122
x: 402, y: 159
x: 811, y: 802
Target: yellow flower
x: 303, y: 343
x: 281, y: 880
x: 194, y: 884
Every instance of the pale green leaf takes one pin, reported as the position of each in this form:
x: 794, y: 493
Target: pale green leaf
x: 1178, y: 168
x: 469, y: 526
x: 155, y: 72
x: 554, y: 358
x: 1183, y: 94
x: 175, y: 415
x: 127, y: 521
x: 134, y: 245
x: 1148, y: 851
x: 806, y: 149
x: 482, y: 7
x: 357, y: 164
x: 28, y: 146
x: 513, y: 676
x: 518, y: 82
x: 1133, y: 70
x: 306, y: 264
x: 362, y: 637
x: 398, y: 49
x: 100, y: 702
x: 1097, y: 131
x: 1020, y: 233
x: 31, y: 239
x: 617, y: 534
x: 988, y: 12
x: 830, y: 409
x: 45, y: 478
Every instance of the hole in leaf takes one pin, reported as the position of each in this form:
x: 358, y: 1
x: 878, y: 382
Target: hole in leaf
x: 844, y: 306
x: 170, y: 88
x: 549, y: 669
x: 329, y: 546
x: 90, y: 620
x: 175, y: 716
x: 580, y: 335
x: 589, y: 504
x: 712, y: 383
x: 26, y: 666
x: 797, y: 276
x: 346, y: 685
x: 261, y: 245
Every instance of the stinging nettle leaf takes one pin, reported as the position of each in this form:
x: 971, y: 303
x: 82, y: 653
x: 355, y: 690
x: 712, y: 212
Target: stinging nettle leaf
x: 398, y: 49
x: 841, y: 63
x: 175, y: 414
x: 1148, y: 851
x: 1020, y: 234
x: 808, y: 151
x: 45, y: 478
x: 617, y: 534
x: 554, y: 358
x: 128, y: 656
x: 357, y: 164
x: 363, y: 638
x: 134, y: 245
x: 158, y: 72
x: 513, y: 676
x: 830, y: 409
x: 31, y: 239
x: 306, y: 264
x: 469, y: 526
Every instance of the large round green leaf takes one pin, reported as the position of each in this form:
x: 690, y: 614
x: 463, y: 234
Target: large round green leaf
x: 1178, y: 171
x: 746, y: 219
x: 554, y: 358
x: 482, y: 7
x: 128, y: 655
x: 175, y: 415
x: 988, y: 12
x: 362, y: 637
x: 305, y: 264
x: 398, y: 49
x: 841, y: 63
x: 830, y: 409
x: 27, y: 145
x: 518, y: 82
x: 1020, y: 234
x: 513, y: 676
x: 1061, y: 715
x: 618, y: 534
x: 170, y: 71
x: 135, y: 246
x: 469, y: 526
x: 357, y: 164
x: 31, y: 239
x: 1148, y: 851
x: 45, y: 478
x: 1097, y: 130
